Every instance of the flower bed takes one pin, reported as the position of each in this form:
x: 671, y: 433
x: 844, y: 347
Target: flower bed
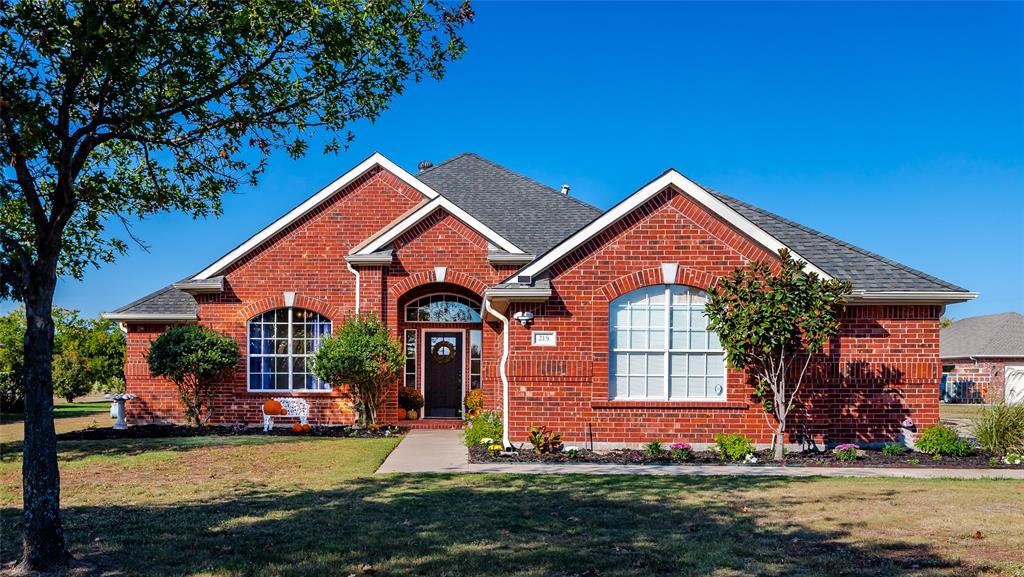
x: 169, y: 431
x: 864, y: 458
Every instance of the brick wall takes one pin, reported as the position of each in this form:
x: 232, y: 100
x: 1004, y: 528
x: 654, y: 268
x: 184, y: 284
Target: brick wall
x: 882, y: 368
x: 984, y: 378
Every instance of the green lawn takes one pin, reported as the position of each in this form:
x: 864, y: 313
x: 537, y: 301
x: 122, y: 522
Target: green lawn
x: 63, y: 410
x: 258, y: 506
x: 958, y: 412
x: 69, y: 417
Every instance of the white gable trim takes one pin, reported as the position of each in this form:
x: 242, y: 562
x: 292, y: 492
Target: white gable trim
x: 631, y: 203
x: 426, y: 210
x: 376, y: 159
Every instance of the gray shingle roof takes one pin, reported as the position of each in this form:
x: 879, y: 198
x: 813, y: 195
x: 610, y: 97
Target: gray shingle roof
x: 866, y: 270
x: 166, y: 301
x: 528, y: 214
x: 1000, y: 335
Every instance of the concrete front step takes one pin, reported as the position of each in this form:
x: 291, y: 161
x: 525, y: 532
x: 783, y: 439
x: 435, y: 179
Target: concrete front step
x: 450, y: 424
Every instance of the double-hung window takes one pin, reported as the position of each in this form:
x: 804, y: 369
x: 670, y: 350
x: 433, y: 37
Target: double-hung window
x: 661, y: 348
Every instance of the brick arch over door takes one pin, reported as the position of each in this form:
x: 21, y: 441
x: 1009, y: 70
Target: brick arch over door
x: 415, y: 280
x: 317, y: 305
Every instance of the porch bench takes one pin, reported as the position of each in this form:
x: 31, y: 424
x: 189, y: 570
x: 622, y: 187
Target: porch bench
x: 295, y: 409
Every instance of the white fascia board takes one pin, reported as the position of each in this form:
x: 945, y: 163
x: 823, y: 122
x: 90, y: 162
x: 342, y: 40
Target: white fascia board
x: 426, y: 210
x: 370, y: 259
x: 376, y: 159
x: 670, y: 178
x: 523, y: 294
x: 148, y: 317
x: 907, y: 297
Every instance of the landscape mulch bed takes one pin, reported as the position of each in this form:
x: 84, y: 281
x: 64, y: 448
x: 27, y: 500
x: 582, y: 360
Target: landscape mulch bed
x: 176, y: 431
x: 865, y: 458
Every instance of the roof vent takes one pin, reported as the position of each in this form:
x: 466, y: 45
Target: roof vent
x: 565, y: 189
x: 424, y: 164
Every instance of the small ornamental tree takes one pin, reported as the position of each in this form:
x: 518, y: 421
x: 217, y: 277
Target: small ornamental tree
x: 192, y: 357
x: 71, y: 375
x: 364, y: 356
x: 771, y: 323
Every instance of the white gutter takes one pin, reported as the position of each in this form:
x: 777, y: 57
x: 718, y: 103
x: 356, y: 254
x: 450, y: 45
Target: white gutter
x: 356, y: 274
x: 505, y: 443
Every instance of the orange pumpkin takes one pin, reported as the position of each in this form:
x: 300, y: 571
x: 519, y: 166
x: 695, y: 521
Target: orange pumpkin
x: 306, y: 428
x: 296, y: 428
x: 273, y: 407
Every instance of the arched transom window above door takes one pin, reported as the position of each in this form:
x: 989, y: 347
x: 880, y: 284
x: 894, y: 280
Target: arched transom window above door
x: 661, y: 347
x: 443, y: 308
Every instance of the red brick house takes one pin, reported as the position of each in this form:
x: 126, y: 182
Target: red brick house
x: 586, y: 321
x: 983, y: 359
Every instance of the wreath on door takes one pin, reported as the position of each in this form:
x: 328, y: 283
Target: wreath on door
x: 442, y: 352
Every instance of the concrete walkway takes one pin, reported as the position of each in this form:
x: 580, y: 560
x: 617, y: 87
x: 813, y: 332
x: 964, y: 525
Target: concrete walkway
x: 426, y: 451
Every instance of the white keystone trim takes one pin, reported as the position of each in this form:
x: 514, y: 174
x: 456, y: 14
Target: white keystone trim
x: 426, y: 210
x: 376, y: 159
x: 635, y: 200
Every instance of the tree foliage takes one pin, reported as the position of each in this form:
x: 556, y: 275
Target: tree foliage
x: 366, y: 357
x: 88, y: 356
x: 771, y: 319
x: 193, y: 357
x: 114, y: 110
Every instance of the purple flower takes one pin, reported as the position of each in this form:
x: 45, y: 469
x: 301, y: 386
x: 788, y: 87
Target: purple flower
x: 680, y: 447
x: 846, y: 447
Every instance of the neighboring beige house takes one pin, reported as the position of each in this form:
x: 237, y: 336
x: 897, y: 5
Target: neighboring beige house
x: 983, y: 359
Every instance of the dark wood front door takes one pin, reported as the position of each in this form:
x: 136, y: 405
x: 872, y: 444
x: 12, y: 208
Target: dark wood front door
x: 442, y: 374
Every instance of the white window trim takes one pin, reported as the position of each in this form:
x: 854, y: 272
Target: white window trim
x: 405, y: 310
x: 248, y: 355
x: 667, y: 352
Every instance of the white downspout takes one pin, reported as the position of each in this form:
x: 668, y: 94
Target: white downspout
x: 356, y: 273
x: 501, y: 371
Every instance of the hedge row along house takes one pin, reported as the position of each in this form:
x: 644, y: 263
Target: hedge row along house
x: 588, y: 322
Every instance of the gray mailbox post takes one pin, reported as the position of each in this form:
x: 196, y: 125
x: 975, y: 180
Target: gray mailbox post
x: 117, y: 408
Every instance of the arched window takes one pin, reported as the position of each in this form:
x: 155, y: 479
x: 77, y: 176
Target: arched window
x: 443, y: 308
x: 661, y: 348
x: 281, y: 342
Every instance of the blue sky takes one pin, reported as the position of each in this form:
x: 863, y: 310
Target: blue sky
x: 897, y: 127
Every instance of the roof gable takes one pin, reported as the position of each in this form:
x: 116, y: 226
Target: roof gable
x: 375, y: 160
x: 1000, y: 335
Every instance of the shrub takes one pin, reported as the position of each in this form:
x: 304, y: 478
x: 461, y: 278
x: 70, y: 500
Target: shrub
x: 544, y: 440
x: 681, y: 451
x: 654, y: 449
x: 943, y: 440
x: 893, y: 450
x: 1014, y: 459
x: 193, y: 357
x: 846, y: 452
x: 475, y: 399
x: 486, y: 425
x: 571, y: 452
x: 733, y: 446
x: 71, y: 375
x: 366, y: 357
x: 999, y: 428
x: 410, y: 399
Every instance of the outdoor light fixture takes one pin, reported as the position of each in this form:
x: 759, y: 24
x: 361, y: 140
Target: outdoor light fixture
x: 524, y: 317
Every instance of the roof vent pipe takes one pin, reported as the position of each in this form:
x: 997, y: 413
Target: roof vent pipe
x: 565, y: 189
x: 424, y: 164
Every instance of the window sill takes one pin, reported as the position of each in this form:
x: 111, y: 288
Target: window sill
x: 289, y: 392
x: 626, y: 404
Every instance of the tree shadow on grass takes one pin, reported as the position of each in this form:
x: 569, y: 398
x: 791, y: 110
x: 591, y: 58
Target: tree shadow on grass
x: 69, y: 451
x: 481, y: 525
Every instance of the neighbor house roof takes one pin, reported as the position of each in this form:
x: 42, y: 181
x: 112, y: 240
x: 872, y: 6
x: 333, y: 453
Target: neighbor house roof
x: 1000, y: 335
x: 522, y: 217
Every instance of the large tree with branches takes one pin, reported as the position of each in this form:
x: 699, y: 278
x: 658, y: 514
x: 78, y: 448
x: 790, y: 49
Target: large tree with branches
x: 772, y: 318
x: 112, y: 110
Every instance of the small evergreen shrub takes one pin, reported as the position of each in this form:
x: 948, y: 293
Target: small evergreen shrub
x: 733, y: 446
x: 654, y: 449
x: 999, y: 429
x: 893, y: 450
x: 943, y: 440
x: 486, y: 425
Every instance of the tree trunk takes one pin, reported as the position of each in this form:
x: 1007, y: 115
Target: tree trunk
x: 780, y: 441
x: 43, y: 542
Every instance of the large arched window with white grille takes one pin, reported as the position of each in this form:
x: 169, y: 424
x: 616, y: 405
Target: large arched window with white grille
x: 281, y: 343
x: 661, y: 348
